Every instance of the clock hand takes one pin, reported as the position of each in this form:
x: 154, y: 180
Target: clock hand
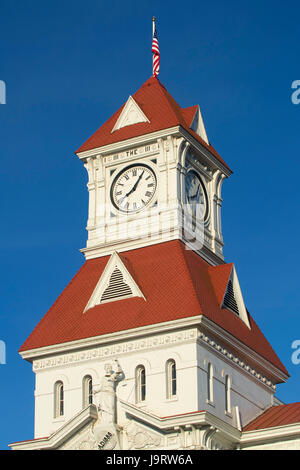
x: 136, y: 184
x: 133, y: 188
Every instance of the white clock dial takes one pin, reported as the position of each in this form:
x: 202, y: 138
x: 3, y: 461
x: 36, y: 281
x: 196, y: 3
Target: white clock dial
x: 133, y: 189
x: 196, y: 195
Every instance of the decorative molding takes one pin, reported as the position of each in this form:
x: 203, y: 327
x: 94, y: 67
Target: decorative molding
x: 251, y: 355
x: 132, y: 153
x: 128, y: 143
x: 117, y: 349
x: 238, y: 362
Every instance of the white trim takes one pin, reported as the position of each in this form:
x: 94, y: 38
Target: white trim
x: 127, y: 335
x: 128, y: 143
x: 62, y: 435
x: 262, y: 436
x: 185, y: 419
x: 271, y: 370
x: 134, y: 333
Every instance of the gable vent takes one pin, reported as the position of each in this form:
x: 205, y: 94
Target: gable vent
x: 117, y: 287
x: 229, y: 299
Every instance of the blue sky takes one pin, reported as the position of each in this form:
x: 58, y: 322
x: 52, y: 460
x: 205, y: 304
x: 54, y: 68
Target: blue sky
x: 68, y: 65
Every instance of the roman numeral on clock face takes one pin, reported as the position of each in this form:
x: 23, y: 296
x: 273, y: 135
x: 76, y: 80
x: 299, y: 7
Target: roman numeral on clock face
x: 133, y: 188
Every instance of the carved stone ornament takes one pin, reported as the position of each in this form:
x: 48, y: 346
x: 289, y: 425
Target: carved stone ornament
x: 138, y: 438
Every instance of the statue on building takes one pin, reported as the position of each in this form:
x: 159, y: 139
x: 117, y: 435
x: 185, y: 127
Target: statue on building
x: 107, y: 392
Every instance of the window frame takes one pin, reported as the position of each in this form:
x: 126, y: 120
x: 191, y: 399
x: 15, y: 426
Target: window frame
x: 227, y: 394
x: 210, y: 383
x: 140, y: 384
x: 59, y: 399
x: 87, y: 391
x: 171, y: 379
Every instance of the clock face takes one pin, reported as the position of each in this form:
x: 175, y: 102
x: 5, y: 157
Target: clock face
x: 196, y: 195
x: 133, y: 189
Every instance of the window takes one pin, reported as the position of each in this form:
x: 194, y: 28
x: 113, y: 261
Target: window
x: 140, y: 384
x: 171, y: 378
x: 87, y: 391
x: 58, y: 399
x: 227, y: 394
x: 210, y: 383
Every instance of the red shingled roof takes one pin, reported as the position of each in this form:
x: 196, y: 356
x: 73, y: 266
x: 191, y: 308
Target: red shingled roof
x: 176, y: 282
x: 281, y: 415
x: 161, y: 110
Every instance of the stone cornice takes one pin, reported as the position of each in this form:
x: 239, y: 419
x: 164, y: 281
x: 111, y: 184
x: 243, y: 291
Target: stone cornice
x: 263, y: 436
x: 117, y: 349
x: 252, y: 356
x: 122, y: 145
x: 59, y: 437
x: 235, y: 360
x: 197, y: 418
x: 133, y: 333
x: 196, y: 144
x: 80, y: 348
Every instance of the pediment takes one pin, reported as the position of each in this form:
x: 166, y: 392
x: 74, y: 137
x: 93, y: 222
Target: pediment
x: 115, y: 283
x: 131, y: 114
x: 233, y: 298
x: 198, y: 125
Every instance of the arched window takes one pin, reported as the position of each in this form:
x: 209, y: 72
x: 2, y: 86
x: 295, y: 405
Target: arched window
x: 87, y: 391
x: 140, y: 384
x: 58, y: 399
x: 210, y: 383
x: 227, y: 394
x: 171, y: 378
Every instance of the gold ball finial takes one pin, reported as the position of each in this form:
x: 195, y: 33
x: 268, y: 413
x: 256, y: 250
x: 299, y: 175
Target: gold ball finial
x: 153, y: 19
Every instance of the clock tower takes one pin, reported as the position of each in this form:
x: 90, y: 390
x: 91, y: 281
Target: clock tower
x: 153, y: 176
x: 150, y: 346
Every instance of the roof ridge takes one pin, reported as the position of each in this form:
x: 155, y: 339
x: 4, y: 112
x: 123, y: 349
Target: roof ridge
x: 169, y: 100
x: 186, y: 263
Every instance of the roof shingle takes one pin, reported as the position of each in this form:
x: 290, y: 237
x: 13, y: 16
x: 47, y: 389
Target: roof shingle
x: 162, y: 111
x: 281, y: 415
x: 176, y: 282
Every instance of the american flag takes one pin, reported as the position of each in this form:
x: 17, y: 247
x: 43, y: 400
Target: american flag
x: 156, y: 54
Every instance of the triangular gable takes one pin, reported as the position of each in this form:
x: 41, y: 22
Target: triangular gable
x: 197, y: 125
x: 115, y: 283
x: 177, y: 284
x: 131, y: 114
x: 159, y: 111
x: 228, y: 291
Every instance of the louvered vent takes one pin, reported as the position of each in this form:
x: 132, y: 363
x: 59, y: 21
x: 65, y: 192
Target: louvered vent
x: 117, y: 287
x: 229, y: 299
